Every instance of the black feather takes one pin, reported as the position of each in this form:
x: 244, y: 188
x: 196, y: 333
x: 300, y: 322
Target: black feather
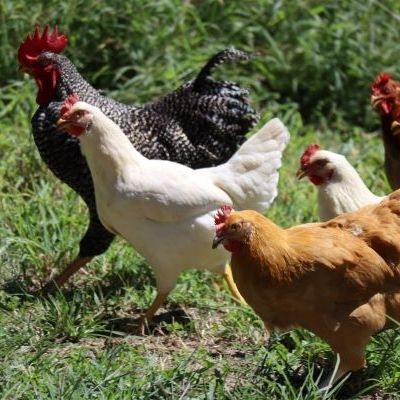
x: 200, y: 124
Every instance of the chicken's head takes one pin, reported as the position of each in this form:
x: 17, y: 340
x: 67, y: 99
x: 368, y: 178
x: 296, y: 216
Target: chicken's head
x: 385, y: 98
x: 75, y: 116
x: 33, y: 55
x: 316, y: 164
x: 231, y: 229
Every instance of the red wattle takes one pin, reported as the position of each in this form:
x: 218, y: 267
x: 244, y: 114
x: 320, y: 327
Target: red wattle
x: 316, y: 180
x: 75, y: 131
x: 47, y: 83
x: 232, y: 245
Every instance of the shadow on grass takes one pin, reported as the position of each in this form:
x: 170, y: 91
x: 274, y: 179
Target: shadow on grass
x: 116, y: 326
x: 113, y: 284
x: 29, y: 286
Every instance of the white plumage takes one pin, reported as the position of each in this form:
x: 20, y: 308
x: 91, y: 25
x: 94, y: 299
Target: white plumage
x: 166, y: 210
x: 344, y: 191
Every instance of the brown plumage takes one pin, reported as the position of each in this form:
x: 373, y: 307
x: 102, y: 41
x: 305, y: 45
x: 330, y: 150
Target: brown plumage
x: 385, y: 98
x: 320, y: 276
x: 378, y: 225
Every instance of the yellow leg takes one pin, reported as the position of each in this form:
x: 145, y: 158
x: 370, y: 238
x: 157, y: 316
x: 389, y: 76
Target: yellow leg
x: 232, y: 285
x: 70, y: 269
x: 148, y: 316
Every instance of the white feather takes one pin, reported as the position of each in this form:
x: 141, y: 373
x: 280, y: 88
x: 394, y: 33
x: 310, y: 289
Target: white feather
x: 164, y: 209
x: 345, y: 191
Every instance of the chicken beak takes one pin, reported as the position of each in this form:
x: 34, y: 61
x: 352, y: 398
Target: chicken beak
x: 300, y: 174
x: 375, y: 100
x: 216, y: 241
x: 395, y: 128
x: 62, y: 123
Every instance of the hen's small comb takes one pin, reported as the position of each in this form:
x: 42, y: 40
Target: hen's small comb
x: 308, y: 152
x: 38, y: 42
x: 381, y: 80
x: 220, y: 217
x: 68, y: 103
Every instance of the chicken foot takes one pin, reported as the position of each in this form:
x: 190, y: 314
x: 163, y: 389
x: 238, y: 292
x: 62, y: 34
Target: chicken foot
x: 146, y: 318
x: 70, y: 269
x: 334, y: 376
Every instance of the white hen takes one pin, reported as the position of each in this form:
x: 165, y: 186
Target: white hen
x: 340, y: 187
x: 164, y: 209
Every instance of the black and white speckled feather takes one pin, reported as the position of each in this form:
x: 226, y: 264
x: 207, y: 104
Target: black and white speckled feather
x: 200, y: 124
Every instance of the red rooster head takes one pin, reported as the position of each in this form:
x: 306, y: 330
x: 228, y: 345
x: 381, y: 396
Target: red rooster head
x: 33, y: 60
x: 385, y: 98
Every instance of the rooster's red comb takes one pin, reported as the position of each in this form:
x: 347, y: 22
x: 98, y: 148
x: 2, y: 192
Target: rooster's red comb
x: 68, y: 103
x: 222, y: 214
x: 381, y: 80
x: 38, y: 42
x: 308, y: 152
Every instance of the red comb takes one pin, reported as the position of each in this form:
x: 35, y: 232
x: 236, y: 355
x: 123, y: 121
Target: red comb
x: 308, y: 152
x: 38, y: 42
x: 220, y: 217
x: 68, y: 103
x: 381, y: 80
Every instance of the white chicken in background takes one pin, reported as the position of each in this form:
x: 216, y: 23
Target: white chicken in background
x: 340, y: 188
x: 164, y: 209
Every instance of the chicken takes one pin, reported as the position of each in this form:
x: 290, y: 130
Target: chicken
x: 315, y: 276
x: 164, y: 209
x: 378, y: 223
x: 385, y: 98
x: 200, y: 124
x: 340, y: 188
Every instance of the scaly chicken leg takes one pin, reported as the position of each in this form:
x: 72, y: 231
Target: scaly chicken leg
x: 350, y: 358
x: 162, y: 296
x: 232, y: 285
x: 70, y: 269
x: 148, y: 316
x: 337, y: 372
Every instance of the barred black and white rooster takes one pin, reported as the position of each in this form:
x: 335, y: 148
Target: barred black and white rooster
x: 202, y: 123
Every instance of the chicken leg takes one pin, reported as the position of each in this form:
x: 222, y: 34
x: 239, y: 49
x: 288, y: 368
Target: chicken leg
x: 334, y: 376
x: 232, y: 285
x: 350, y: 357
x: 149, y: 314
x: 60, y: 279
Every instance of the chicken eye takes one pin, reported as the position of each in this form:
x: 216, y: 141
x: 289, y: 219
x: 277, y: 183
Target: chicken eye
x: 78, y: 114
x: 235, y: 226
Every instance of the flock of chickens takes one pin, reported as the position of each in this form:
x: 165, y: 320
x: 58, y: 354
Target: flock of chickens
x: 169, y: 176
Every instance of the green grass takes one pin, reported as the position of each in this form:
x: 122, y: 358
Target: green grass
x: 314, y: 72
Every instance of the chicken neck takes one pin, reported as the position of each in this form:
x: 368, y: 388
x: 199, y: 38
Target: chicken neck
x: 344, y: 192
x: 391, y: 144
x: 108, y: 152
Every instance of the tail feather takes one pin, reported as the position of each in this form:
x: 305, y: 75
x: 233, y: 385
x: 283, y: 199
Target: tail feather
x: 206, y: 119
x: 229, y: 54
x: 250, y: 176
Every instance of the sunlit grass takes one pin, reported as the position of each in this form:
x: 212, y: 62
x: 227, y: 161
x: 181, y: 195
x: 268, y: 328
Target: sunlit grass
x: 314, y: 69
